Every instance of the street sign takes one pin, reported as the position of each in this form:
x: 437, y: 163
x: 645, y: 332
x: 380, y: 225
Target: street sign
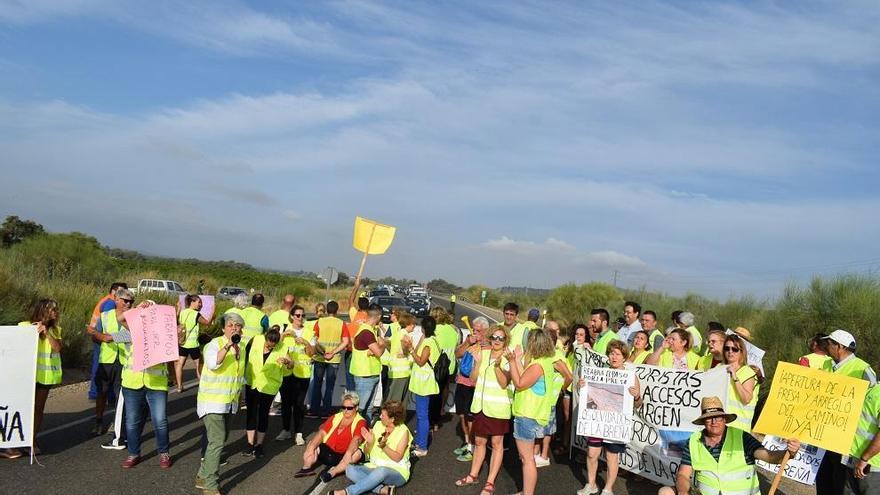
x: 330, y: 275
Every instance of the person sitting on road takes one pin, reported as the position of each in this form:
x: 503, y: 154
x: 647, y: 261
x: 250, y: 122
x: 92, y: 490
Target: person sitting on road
x: 702, y: 454
x: 336, y: 442
x: 387, y: 447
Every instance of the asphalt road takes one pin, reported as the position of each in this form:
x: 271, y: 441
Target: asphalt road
x: 74, y: 463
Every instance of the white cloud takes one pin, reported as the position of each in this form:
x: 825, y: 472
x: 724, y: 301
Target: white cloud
x: 529, y: 248
x: 292, y: 215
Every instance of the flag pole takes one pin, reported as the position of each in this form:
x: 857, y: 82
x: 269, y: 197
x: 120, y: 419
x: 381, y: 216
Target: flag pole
x: 779, y: 473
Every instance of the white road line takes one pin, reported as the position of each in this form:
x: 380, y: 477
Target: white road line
x: 186, y: 386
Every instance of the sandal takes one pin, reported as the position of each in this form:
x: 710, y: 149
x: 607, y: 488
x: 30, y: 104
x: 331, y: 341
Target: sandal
x: 467, y: 480
x: 488, y: 488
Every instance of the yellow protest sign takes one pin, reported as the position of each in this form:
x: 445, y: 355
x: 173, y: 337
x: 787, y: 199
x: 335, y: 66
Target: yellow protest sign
x: 372, y: 237
x: 814, y: 406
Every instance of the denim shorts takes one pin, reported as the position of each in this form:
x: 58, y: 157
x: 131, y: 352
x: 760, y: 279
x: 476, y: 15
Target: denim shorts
x: 527, y: 429
x: 550, y: 429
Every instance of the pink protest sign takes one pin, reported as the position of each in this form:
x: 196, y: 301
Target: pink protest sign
x: 207, y: 310
x: 153, y: 335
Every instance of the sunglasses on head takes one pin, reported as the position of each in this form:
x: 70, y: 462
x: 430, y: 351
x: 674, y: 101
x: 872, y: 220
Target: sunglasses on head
x: 728, y: 348
x: 349, y: 408
x: 497, y: 338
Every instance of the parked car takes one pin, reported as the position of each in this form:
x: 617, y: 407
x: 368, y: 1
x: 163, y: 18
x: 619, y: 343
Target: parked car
x: 229, y: 292
x: 157, y: 285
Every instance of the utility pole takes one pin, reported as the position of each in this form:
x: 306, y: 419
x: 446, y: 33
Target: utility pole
x: 615, y: 278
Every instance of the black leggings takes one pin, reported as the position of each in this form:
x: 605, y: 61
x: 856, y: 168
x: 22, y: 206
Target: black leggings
x: 258, y: 405
x: 293, y: 396
x: 327, y: 456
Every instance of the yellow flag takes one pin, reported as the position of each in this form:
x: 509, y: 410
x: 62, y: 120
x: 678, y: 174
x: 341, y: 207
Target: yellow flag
x: 371, y: 237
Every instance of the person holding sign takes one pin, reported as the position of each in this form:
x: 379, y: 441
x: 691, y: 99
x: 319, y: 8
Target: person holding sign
x: 189, y: 321
x: 265, y: 358
x: 831, y: 476
x: 219, y: 389
x: 616, y: 353
x: 721, y: 458
x: 744, y: 386
x: 532, y: 399
x: 675, y: 353
x: 299, y: 343
x: 490, y: 407
x: 44, y: 315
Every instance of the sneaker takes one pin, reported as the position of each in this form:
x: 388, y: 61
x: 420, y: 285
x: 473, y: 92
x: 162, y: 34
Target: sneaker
x: 258, y: 451
x: 112, y: 444
x: 131, y: 461
x: 299, y: 439
x: 275, y: 411
x: 461, y: 450
x: 302, y: 473
x: 165, y: 460
x: 467, y: 456
x: 607, y: 492
x: 588, y: 490
x: 419, y: 452
x: 541, y: 461
x: 248, y: 451
x: 10, y: 453
x: 200, y: 483
x: 284, y: 435
x: 326, y: 477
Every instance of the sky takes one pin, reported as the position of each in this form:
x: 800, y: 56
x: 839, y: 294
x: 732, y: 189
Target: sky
x: 719, y: 148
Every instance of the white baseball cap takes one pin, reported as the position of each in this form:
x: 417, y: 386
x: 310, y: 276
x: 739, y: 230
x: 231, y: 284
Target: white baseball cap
x: 843, y: 338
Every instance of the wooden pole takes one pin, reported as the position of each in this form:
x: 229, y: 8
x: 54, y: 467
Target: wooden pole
x: 779, y: 473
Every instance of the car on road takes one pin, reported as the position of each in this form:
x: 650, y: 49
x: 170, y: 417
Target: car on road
x: 230, y: 292
x: 418, y: 306
x: 169, y: 287
x: 388, y: 304
x: 379, y: 293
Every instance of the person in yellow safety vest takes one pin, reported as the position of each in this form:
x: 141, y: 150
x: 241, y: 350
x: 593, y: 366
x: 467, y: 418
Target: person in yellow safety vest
x: 863, y: 470
x: 477, y: 340
x: 532, y: 377
x: 188, y: 323
x: 561, y: 379
x: 452, y: 304
x: 336, y: 443
x: 686, y: 322
x: 44, y: 316
x: 818, y: 358
x: 281, y: 316
x: 714, y: 348
x: 143, y: 389
x: 490, y: 406
x: 387, y: 447
x: 518, y: 331
x: 675, y: 353
x: 398, y: 358
x: 649, y: 324
x: 841, y: 345
x: 744, y: 387
x: 331, y: 343
x: 219, y: 389
x: 367, y: 347
x: 255, y: 320
x: 721, y: 458
x: 599, y: 320
x: 109, y: 374
x: 641, y: 348
x: 532, y: 319
x: 299, y: 343
x: 448, y: 337
x: 422, y: 383
x: 265, y: 360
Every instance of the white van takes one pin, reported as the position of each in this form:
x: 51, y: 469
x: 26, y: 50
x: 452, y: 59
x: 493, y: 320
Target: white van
x: 156, y: 285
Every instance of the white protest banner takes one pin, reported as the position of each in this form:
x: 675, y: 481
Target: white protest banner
x: 802, y: 467
x: 153, y: 335
x: 18, y: 373
x: 605, y: 404
x: 754, y: 353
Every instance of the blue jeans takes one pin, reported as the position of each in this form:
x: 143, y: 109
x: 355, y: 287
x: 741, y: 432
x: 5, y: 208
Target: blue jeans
x: 319, y: 369
x: 371, y: 479
x: 349, y: 378
x: 135, y: 400
x: 365, y: 386
x: 423, y: 423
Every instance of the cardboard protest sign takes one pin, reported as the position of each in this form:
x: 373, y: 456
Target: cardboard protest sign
x: 371, y: 237
x: 605, y: 404
x: 814, y: 406
x: 153, y: 335
x: 802, y: 467
x: 18, y: 373
x: 208, y: 305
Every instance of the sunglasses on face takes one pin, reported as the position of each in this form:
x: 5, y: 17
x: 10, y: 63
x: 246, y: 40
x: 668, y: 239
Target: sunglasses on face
x: 497, y: 338
x: 128, y: 301
x: 728, y: 348
x: 298, y: 315
x: 349, y: 408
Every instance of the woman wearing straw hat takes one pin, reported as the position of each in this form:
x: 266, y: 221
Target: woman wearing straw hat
x: 722, y: 457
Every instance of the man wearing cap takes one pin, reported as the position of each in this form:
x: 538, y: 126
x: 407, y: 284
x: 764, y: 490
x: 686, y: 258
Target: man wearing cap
x: 832, y: 475
x: 631, y: 313
x: 721, y: 458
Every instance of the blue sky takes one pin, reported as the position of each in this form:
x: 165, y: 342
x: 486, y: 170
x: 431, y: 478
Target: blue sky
x: 722, y: 148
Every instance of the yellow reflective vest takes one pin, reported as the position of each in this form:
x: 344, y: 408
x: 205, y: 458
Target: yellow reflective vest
x: 730, y: 474
x: 364, y: 362
x: 48, y: 361
x: 489, y: 397
x: 109, y: 352
x: 265, y: 376
x: 223, y: 385
x: 378, y: 457
x: 744, y: 412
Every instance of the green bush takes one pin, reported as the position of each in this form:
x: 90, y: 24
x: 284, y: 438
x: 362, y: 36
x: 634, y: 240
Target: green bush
x: 571, y: 303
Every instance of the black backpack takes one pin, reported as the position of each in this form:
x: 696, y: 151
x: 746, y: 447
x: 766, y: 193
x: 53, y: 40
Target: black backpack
x: 441, y: 368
